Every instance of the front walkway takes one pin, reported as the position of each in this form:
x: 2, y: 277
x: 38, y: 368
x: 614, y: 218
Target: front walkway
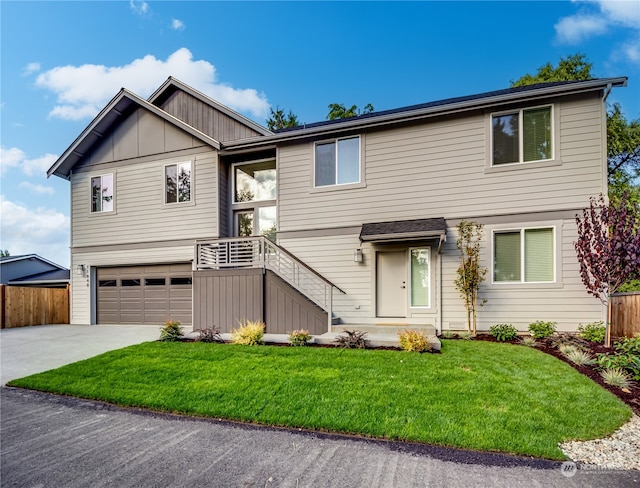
x: 29, y: 350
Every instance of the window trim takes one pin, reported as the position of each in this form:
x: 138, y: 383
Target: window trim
x: 521, y: 230
x: 113, y: 193
x: 334, y: 186
x: 553, y: 160
x: 191, y: 200
x: 410, y: 281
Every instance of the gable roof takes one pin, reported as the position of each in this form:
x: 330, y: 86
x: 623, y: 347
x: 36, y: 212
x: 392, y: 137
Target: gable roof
x: 120, y: 107
x: 431, y: 109
x: 24, y: 257
x: 171, y: 85
x: 47, y: 277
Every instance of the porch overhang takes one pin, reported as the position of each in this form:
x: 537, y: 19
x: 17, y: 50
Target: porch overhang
x: 405, y: 230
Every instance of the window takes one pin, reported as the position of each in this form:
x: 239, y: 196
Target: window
x: 524, y: 256
x: 337, y: 162
x: 133, y: 282
x: 106, y: 283
x: 102, y: 193
x: 522, y: 136
x: 177, y: 186
x: 154, y: 282
x: 420, y: 277
x: 254, y: 182
x: 181, y: 281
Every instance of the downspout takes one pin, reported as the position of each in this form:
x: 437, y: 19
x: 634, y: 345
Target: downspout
x: 607, y: 90
x: 444, y: 238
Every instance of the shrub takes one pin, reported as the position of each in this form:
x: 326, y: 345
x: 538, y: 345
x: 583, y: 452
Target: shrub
x: 628, y: 345
x: 448, y: 334
x: 249, y: 333
x: 567, y: 348
x: 414, y: 340
x: 581, y: 358
x: 541, y: 329
x: 299, y: 337
x: 528, y: 341
x: 171, y: 331
x: 616, y: 377
x: 593, y: 332
x: 625, y: 357
x: 352, y: 339
x: 210, y: 334
x: 503, y: 332
x: 465, y: 334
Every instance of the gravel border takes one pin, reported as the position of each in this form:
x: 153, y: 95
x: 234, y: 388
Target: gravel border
x: 620, y: 450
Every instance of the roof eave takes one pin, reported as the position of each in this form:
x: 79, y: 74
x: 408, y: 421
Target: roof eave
x: 420, y: 113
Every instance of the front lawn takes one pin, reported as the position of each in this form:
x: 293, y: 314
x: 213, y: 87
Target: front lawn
x: 475, y: 395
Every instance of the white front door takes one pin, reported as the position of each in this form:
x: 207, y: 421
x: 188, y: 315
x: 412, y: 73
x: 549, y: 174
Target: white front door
x: 391, y: 284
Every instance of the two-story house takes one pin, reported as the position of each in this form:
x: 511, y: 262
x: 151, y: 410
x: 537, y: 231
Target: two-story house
x: 184, y: 209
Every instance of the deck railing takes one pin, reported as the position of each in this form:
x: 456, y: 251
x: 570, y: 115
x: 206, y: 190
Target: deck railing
x: 260, y: 252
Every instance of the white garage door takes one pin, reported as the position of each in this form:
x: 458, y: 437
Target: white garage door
x: 144, y: 294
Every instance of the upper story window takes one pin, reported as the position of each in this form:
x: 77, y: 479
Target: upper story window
x: 254, y: 182
x: 337, y: 162
x: 524, y: 255
x: 177, y: 182
x: 102, y: 193
x: 522, y: 136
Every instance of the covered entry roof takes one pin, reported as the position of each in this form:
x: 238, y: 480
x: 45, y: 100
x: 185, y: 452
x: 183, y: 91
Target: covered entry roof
x: 405, y: 230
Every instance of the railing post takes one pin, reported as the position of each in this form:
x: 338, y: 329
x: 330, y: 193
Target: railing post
x: 329, y: 308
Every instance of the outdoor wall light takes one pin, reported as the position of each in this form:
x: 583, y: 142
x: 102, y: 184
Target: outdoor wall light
x: 80, y: 269
x: 357, y: 256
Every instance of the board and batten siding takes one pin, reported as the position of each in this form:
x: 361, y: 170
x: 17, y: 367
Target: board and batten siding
x: 440, y: 169
x: 83, y: 288
x: 206, y: 118
x: 140, y: 214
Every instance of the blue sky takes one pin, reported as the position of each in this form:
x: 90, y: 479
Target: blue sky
x: 61, y: 62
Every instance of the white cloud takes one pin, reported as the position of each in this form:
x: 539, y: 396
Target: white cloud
x: 39, y: 189
x: 31, y: 68
x: 83, y: 90
x: 16, y: 158
x: 43, y: 231
x: 177, y: 24
x: 139, y: 7
x: 597, y: 17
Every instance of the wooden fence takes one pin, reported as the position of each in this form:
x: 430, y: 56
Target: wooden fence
x: 21, y: 305
x: 625, y: 314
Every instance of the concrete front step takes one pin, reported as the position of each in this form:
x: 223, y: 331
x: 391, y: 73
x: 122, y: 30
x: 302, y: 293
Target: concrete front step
x: 380, y: 335
x: 386, y: 329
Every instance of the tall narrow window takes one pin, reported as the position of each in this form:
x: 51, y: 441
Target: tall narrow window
x: 522, y: 136
x: 102, y: 193
x: 420, y: 277
x: 525, y: 255
x: 177, y: 185
x: 337, y: 162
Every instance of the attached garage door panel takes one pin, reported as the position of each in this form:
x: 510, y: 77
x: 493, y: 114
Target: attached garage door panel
x: 144, y: 294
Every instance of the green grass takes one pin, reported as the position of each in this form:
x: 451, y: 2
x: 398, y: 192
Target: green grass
x: 475, y: 395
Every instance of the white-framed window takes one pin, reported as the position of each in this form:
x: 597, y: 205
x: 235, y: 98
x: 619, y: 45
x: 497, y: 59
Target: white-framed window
x: 177, y: 182
x: 254, y: 181
x: 525, y: 255
x: 102, y: 194
x: 337, y: 162
x: 522, y: 136
x: 420, y: 277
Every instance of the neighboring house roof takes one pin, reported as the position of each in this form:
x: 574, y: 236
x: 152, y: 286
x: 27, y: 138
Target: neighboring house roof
x: 404, y: 230
x: 120, y: 107
x: 11, y: 259
x: 431, y: 109
x: 48, y: 277
x: 172, y: 85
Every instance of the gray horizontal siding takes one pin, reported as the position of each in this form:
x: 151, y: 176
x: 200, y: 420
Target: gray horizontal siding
x: 140, y: 213
x: 439, y: 169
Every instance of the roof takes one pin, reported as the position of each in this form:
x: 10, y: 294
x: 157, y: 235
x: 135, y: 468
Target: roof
x: 116, y: 110
x: 173, y: 84
x: 11, y: 259
x: 404, y: 230
x: 436, y: 108
x: 57, y: 275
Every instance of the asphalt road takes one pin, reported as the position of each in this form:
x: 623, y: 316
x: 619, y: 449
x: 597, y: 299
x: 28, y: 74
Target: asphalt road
x: 54, y: 441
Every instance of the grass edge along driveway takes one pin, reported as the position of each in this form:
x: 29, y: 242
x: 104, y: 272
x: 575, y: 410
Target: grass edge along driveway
x: 474, y: 395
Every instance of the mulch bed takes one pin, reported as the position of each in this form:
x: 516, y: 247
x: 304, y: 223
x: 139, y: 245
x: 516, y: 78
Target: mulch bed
x: 545, y: 345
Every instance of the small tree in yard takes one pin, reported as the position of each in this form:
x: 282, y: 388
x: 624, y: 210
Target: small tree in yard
x: 470, y: 273
x: 608, y: 248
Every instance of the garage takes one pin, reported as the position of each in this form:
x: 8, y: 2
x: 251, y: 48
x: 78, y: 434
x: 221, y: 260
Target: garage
x: 144, y: 294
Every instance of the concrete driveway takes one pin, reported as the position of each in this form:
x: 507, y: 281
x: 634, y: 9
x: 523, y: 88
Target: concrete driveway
x: 30, y: 350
